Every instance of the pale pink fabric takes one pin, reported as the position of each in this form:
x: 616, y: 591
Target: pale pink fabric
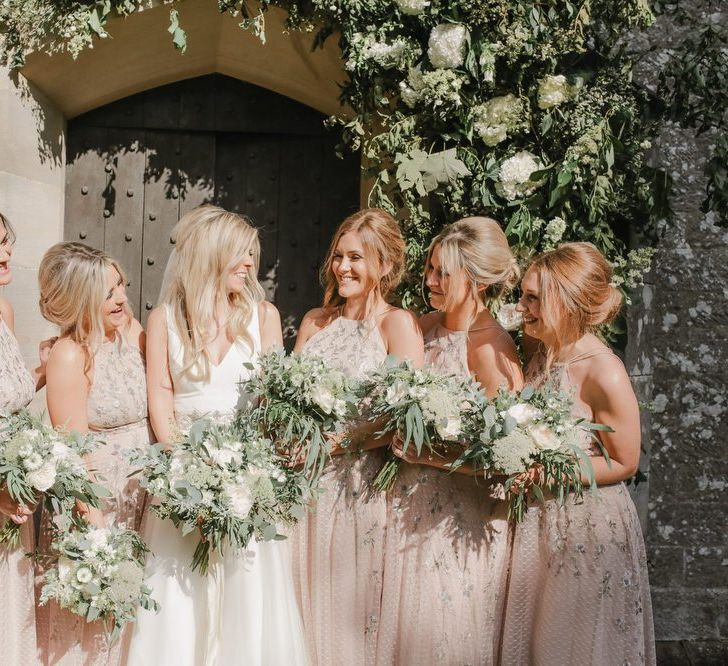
x: 338, y: 549
x: 578, y: 591
x: 446, y: 554
x: 117, y: 410
x: 17, y: 628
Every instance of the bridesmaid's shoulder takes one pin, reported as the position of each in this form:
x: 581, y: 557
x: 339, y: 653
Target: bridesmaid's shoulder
x: 318, y: 318
x: 66, y: 355
x: 6, y: 312
x: 157, y: 317
x: 135, y: 333
x: 607, y: 371
x: 399, y: 321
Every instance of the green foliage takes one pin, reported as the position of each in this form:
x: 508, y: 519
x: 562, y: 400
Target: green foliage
x: 521, y: 110
x: 693, y: 86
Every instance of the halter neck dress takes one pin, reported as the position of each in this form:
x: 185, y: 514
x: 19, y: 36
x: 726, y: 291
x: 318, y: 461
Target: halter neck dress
x: 338, y: 548
x: 446, y: 552
x: 117, y: 411
x: 17, y: 630
x: 578, y: 591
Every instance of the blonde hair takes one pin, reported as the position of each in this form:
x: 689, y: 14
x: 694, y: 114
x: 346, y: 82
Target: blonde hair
x: 476, y: 248
x: 575, y: 291
x: 72, y: 281
x: 209, y: 242
x: 8, y: 228
x: 382, y: 240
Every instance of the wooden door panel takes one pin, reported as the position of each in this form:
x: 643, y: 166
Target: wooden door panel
x: 299, y: 218
x: 124, y: 208
x: 86, y: 179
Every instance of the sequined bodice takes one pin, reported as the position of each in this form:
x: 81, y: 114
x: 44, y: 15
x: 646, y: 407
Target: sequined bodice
x: 447, y: 351
x: 17, y: 387
x: 118, y: 395
x: 560, y: 376
x: 354, y: 347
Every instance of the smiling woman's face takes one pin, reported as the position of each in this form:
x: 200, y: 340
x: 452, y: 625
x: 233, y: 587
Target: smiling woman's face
x: 113, y: 310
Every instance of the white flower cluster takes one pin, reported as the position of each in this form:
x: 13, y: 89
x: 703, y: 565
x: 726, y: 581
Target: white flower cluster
x: 515, y: 175
x: 439, y: 88
x: 99, y: 574
x: 43, y: 455
x: 553, y: 233
x: 398, y: 53
x: 446, y: 47
x: 554, y: 90
x: 494, y: 119
x: 630, y: 271
x: 443, y: 402
x: 509, y: 317
x: 219, y: 472
x: 412, y: 7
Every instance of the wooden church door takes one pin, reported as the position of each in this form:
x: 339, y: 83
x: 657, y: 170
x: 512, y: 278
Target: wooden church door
x: 135, y: 166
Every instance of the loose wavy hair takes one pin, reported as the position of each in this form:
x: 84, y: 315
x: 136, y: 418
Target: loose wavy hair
x: 209, y: 242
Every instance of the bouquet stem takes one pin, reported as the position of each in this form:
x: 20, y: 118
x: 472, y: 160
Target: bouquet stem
x: 10, y: 534
x: 384, y: 481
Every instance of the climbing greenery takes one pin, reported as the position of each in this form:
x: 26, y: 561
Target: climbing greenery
x: 523, y: 110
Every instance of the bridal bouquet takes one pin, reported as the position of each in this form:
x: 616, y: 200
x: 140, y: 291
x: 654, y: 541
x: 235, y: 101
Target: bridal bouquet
x: 302, y: 399
x: 532, y: 438
x: 424, y: 408
x: 224, y: 480
x: 99, y: 575
x: 37, y: 459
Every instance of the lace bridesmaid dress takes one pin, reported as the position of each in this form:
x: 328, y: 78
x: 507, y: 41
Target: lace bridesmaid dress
x: 338, y: 548
x: 446, y: 553
x: 117, y: 411
x: 17, y: 629
x: 578, y: 591
x: 244, y: 612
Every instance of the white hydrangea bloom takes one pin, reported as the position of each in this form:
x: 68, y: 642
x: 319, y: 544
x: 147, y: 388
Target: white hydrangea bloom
x: 515, y: 173
x: 412, y: 7
x: 554, y: 232
x: 553, y: 90
x: 446, y: 48
x: 496, y: 117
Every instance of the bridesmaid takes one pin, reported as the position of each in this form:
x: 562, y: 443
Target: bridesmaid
x: 447, y: 546
x: 17, y: 388
x: 95, y: 382
x: 338, y: 550
x: 578, y: 591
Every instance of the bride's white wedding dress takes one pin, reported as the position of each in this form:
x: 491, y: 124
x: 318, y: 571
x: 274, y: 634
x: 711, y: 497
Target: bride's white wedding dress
x: 244, y: 611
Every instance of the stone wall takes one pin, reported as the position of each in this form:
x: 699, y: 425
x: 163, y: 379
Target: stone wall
x: 679, y: 354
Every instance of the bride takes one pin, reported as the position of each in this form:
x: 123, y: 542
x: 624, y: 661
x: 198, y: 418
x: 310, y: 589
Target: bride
x: 212, y: 320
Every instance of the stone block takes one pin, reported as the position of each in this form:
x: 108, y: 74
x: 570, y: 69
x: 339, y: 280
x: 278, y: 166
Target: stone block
x: 688, y: 614
x: 666, y: 565
x: 671, y: 653
x: 686, y: 524
x: 707, y: 653
x: 706, y: 567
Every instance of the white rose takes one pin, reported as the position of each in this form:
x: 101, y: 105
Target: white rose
x: 523, y: 413
x: 59, y: 450
x: 396, y: 392
x: 545, y: 438
x: 446, y: 48
x: 239, y: 498
x: 65, y: 569
x: 509, y: 317
x: 43, y: 478
x: 223, y: 457
x: 449, y: 429
x: 323, y: 397
x: 84, y: 575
